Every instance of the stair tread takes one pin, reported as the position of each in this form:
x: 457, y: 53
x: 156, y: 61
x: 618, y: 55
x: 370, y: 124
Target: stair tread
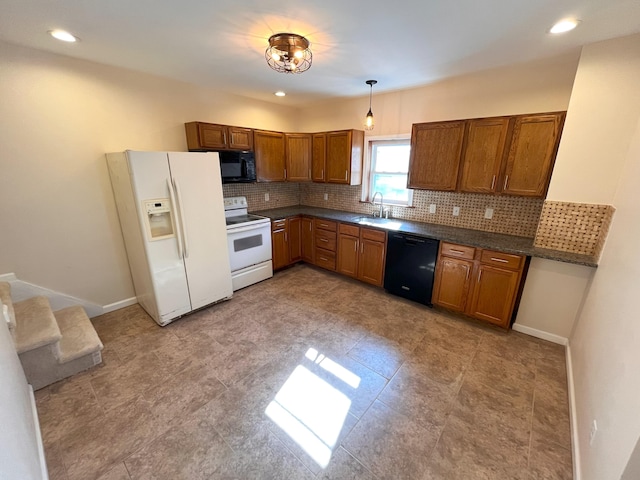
x: 79, y: 338
x: 35, y: 324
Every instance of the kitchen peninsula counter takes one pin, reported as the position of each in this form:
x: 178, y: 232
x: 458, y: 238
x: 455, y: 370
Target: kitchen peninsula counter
x: 475, y: 238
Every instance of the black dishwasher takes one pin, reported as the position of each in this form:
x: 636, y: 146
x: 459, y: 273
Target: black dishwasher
x: 410, y: 266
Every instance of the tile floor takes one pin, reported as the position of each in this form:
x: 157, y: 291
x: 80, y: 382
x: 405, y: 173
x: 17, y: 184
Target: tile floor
x: 310, y: 375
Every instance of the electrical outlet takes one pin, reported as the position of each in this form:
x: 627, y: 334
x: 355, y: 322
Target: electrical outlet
x: 266, y: 197
x: 326, y: 196
x: 432, y: 208
x: 592, y: 434
x: 488, y: 213
x: 456, y: 211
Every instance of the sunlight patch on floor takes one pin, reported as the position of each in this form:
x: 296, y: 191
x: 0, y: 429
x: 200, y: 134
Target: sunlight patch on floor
x: 311, y: 410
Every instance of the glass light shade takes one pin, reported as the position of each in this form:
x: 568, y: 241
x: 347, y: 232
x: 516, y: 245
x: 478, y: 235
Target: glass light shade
x: 368, y: 122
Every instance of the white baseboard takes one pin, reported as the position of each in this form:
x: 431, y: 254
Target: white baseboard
x: 118, y: 305
x: 21, y: 290
x: 573, y: 417
x: 534, y: 332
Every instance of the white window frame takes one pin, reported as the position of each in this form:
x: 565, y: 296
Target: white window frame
x: 366, y: 171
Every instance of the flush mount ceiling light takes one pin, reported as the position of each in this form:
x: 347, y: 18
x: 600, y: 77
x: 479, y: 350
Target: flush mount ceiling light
x: 280, y: 94
x: 63, y: 35
x: 368, y: 122
x: 288, y: 53
x: 565, y: 25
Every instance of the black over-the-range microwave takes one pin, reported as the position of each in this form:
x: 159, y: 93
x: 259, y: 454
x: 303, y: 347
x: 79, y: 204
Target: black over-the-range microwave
x: 237, y: 167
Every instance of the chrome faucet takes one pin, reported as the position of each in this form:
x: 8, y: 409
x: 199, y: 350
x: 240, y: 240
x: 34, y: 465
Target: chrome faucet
x: 373, y: 202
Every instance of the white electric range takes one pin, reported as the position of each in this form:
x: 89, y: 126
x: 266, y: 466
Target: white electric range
x: 249, y: 243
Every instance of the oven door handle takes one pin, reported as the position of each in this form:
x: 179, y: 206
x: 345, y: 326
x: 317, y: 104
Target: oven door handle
x: 175, y: 216
x: 183, y: 227
x: 247, y: 228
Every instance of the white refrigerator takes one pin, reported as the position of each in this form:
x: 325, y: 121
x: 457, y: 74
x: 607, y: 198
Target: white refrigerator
x: 171, y: 212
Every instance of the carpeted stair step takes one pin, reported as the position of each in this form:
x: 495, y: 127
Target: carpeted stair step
x: 36, y: 325
x: 79, y: 338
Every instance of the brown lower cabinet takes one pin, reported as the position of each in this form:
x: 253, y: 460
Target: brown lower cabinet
x: 483, y: 284
x: 308, y: 245
x: 361, y: 253
x: 286, y: 247
x: 342, y: 247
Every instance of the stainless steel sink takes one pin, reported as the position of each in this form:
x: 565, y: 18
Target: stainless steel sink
x: 386, y: 223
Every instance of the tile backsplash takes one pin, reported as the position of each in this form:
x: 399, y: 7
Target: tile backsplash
x: 574, y: 227
x: 511, y: 215
x: 281, y: 194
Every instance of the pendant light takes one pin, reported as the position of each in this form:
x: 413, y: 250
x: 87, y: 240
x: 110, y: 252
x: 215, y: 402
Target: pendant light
x: 368, y: 123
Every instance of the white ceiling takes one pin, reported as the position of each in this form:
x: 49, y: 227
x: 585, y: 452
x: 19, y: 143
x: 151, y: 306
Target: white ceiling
x: 402, y: 43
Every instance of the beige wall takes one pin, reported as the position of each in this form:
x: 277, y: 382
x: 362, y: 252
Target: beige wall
x: 600, y: 121
x: 604, y: 345
x: 58, y: 116
x: 527, y: 88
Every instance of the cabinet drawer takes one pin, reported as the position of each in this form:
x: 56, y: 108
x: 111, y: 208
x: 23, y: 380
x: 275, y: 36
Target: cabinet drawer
x: 352, y: 230
x: 278, y: 224
x: 326, y: 225
x: 326, y: 240
x: 325, y: 259
x: 375, y: 235
x: 499, y: 259
x: 457, y: 251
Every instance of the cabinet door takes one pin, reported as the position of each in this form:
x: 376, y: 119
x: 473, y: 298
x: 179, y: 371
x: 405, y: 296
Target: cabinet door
x: 452, y: 283
x: 307, y: 240
x: 319, y: 157
x: 371, y: 262
x: 298, y: 157
x: 294, y: 227
x: 347, y: 262
x: 338, y: 157
x: 212, y: 136
x: 239, y: 138
x: 269, y: 152
x: 483, y: 152
x: 435, y: 155
x: 494, y: 292
x: 531, y: 154
x: 280, y: 248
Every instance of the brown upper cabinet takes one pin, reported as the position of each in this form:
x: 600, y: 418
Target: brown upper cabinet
x: 269, y: 150
x: 532, y: 153
x: 435, y: 155
x: 504, y: 155
x: 298, y: 157
x: 319, y: 157
x: 213, y: 137
x: 337, y: 157
x: 482, y: 156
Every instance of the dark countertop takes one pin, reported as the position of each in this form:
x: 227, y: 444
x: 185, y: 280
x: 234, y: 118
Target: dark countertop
x: 464, y: 236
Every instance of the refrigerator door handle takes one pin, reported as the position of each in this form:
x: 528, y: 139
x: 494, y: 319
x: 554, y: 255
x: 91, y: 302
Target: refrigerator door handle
x: 176, y: 221
x: 182, y: 225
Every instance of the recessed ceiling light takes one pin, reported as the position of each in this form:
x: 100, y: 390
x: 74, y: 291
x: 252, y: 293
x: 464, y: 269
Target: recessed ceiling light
x: 565, y: 25
x: 279, y: 94
x: 63, y: 35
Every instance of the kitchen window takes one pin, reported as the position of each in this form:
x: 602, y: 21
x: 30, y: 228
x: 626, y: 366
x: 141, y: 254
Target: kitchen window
x: 388, y: 169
